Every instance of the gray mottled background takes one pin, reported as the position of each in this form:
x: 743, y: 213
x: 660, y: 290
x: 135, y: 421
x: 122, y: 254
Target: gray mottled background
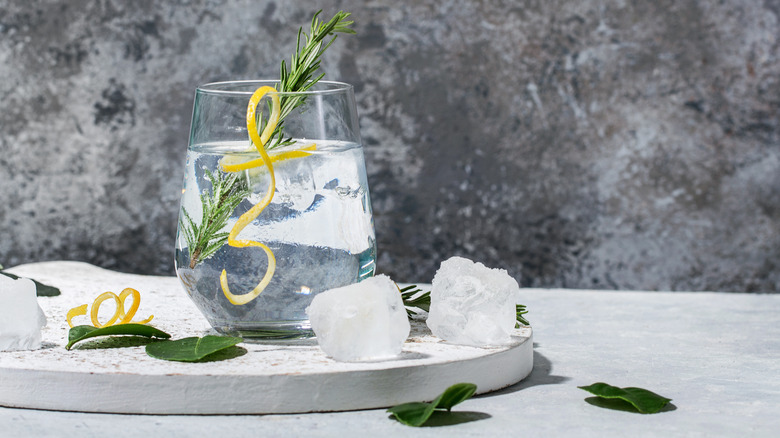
x: 582, y: 143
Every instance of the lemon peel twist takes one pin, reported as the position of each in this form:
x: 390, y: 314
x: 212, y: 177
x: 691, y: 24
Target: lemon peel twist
x: 259, y: 142
x: 119, y: 316
x: 234, y: 164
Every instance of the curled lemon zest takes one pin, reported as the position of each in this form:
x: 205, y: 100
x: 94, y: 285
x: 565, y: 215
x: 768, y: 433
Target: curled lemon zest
x: 76, y: 311
x: 125, y: 318
x: 259, y: 142
x: 96, y: 306
x: 234, y: 164
x: 119, y: 317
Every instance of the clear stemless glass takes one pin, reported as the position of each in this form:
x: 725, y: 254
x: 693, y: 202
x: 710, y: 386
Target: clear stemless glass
x: 317, y: 227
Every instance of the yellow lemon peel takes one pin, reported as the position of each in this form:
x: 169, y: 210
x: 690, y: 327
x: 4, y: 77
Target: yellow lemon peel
x: 96, y: 306
x: 76, y: 311
x: 119, y: 314
x: 259, y: 142
x: 125, y: 318
x: 233, y: 163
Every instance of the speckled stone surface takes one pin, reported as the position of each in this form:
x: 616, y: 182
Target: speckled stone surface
x: 587, y: 144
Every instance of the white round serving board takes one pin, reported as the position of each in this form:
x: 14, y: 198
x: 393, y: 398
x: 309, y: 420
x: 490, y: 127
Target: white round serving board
x: 267, y: 379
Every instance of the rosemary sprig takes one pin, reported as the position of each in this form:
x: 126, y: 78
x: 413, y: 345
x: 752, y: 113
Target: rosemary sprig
x: 520, y: 311
x: 304, y: 63
x: 227, y: 191
x: 423, y: 302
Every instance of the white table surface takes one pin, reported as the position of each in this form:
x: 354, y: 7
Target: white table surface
x: 717, y: 355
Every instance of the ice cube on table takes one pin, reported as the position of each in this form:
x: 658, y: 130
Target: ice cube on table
x: 472, y: 304
x: 21, y: 318
x: 362, y: 321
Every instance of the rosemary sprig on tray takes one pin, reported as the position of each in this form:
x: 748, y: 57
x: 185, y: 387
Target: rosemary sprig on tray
x: 422, y: 302
x: 520, y: 311
x: 227, y: 191
x: 413, y: 299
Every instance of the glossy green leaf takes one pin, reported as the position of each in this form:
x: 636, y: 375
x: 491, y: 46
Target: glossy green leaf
x: 417, y: 413
x: 455, y: 394
x: 112, y: 342
x: 81, y: 332
x: 646, y: 402
x: 41, y: 290
x: 191, y: 349
x: 413, y: 414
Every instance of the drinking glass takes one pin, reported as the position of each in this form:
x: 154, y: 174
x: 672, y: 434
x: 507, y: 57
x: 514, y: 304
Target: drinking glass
x: 317, y: 227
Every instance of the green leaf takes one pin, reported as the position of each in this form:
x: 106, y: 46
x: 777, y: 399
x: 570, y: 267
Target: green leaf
x: 41, y: 290
x: 614, y: 404
x: 413, y: 414
x: 191, y: 349
x: 81, y: 332
x: 646, y: 402
x: 417, y: 413
x: 455, y: 394
x: 111, y: 342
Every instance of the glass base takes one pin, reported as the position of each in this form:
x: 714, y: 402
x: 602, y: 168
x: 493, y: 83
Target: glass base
x: 286, y: 332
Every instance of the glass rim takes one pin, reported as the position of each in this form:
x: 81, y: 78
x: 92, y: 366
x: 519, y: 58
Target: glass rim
x: 229, y: 88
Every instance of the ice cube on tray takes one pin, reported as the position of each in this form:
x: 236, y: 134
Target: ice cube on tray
x: 21, y: 318
x: 472, y: 304
x: 360, y: 322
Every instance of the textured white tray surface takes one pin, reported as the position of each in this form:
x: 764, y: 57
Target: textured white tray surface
x: 268, y: 379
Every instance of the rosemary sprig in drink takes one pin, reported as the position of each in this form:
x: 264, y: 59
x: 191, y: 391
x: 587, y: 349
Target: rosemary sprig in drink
x: 304, y: 63
x: 227, y: 191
